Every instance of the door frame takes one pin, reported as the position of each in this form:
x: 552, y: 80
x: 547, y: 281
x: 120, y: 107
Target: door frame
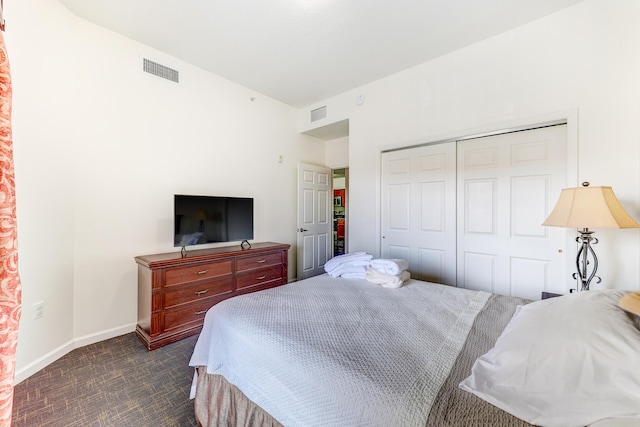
x: 346, y: 207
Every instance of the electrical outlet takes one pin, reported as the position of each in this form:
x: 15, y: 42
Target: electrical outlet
x: 38, y: 310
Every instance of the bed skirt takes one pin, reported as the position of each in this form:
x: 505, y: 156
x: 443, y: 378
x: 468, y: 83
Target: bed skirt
x: 219, y: 403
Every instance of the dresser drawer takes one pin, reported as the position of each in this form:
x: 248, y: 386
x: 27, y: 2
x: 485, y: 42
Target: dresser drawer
x: 187, y: 294
x: 259, y: 277
x: 180, y: 275
x: 193, y: 313
x: 258, y: 261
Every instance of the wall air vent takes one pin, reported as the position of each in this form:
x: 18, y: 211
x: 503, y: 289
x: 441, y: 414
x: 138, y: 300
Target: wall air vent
x: 159, y: 70
x: 319, y: 114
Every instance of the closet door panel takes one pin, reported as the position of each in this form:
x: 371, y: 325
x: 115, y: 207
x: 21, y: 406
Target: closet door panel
x: 418, y: 210
x: 432, y: 262
x: 529, y: 195
x: 480, y: 203
x: 480, y: 269
x: 527, y: 275
x: 399, y: 252
x: 432, y: 206
x: 506, y: 186
x: 398, y: 208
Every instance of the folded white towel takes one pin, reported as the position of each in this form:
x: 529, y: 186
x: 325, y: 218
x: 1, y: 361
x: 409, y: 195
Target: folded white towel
x: 387, y: 280
x: 347, y: 268
x: 356, y: 258
x: 390, y: 266
x: 360, y: 275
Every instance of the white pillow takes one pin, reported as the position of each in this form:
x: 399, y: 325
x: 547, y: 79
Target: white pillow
x: 565, y: 361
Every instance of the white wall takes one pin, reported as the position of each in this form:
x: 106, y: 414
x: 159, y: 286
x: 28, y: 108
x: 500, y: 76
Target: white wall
x: 337, y: 153
x: 100, y: 149
x: 582, y: 61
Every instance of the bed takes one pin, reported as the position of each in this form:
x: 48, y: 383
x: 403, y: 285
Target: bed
x: 345, y: 352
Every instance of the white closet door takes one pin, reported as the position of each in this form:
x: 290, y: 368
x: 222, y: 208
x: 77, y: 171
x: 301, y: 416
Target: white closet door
x: 418, y: 210
x: 507, y: 185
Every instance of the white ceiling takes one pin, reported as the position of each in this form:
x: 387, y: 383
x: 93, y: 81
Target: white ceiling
x: 305, y: 51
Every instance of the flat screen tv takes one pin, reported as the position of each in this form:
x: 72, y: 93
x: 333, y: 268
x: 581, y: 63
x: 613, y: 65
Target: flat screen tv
x: 199, y: 220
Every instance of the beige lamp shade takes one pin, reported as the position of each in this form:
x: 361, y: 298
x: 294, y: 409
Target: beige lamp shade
x: 631, y: 303
x: 589, y: 207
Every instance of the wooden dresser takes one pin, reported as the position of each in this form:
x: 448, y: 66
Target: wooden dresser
x: 175, y: 291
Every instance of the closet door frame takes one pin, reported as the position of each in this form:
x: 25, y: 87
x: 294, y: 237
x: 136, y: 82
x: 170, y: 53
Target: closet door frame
x: 566, y: 117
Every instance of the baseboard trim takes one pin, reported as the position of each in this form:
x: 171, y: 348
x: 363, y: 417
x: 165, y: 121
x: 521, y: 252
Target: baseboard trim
x: 104, y: 335
x: 44, y: 361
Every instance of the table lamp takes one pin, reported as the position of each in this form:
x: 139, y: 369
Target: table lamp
x: 584, y: 208
x: 631, y: 303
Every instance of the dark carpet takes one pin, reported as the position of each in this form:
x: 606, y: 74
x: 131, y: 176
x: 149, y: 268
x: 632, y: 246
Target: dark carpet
x: 115, y: 382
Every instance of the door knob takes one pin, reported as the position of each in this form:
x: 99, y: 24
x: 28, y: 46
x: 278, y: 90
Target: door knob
x: 302, y: 230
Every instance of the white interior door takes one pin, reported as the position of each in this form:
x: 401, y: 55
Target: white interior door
x: 507, y: 185
x: 419, y: 210
x: 315, y: 232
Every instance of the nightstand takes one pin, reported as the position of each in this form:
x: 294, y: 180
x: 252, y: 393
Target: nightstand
x: 546, y: 295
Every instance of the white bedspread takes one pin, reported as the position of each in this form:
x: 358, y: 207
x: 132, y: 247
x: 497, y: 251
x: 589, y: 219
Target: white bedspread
x: 340, y: 352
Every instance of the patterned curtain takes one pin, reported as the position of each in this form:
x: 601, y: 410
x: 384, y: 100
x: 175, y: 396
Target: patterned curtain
x: 10, y: 291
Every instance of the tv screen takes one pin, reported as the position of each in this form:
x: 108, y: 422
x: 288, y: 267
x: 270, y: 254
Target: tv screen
x: 208, y: 219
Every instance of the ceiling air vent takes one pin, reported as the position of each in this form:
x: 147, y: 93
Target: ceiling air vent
x: 160, y: 70
x: 319, y: 114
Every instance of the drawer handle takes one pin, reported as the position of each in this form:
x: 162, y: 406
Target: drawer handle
x: 200, y: 312
x: 261, y: 277
x: 202, y: 292
x: 262, y: 261
x: 202, y: 272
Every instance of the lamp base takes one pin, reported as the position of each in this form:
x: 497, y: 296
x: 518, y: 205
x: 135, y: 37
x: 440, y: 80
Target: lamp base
x: 582, y: 259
